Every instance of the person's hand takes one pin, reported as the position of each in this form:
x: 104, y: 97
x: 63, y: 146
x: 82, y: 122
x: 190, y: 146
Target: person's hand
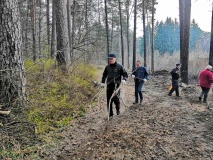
x: 123, y: 81
x: 102, y: 85
x: 133, y: 76
x: 145, y: 80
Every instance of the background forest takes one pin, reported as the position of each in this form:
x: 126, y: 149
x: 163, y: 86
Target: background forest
x: 51, y: 51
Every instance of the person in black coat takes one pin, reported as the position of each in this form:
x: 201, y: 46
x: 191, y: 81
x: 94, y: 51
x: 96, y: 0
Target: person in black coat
x: 175, y: 76
x: 115, y: 75
x: 140, y: 75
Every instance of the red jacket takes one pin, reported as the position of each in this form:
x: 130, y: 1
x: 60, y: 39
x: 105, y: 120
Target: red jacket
x: 206, y: 78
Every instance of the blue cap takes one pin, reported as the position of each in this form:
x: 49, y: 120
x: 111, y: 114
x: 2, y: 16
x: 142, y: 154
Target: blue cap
x: 112, y: 56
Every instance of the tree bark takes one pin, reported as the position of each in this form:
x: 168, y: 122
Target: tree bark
x: 107, y: 30
x: 63, y: 56
x: 127, y: 34
x: 53, y: 34
x: 134, y: 36
x: 144, y: 33
x: 153, y: 26
x: 48, y: 25
x: 121, y: 30
x: 211, y: 43
x: 184, y: 56
x: 34, y: 29
x: 12, y: 82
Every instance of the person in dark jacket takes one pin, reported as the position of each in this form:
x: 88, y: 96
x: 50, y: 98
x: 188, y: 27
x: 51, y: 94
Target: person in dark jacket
x: 206, y: 79
x: 175, y: 77
x: 115, y: 75
x: 140, y: 75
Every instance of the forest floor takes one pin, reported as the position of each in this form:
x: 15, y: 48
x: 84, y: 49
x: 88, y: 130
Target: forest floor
x: 162, y: 128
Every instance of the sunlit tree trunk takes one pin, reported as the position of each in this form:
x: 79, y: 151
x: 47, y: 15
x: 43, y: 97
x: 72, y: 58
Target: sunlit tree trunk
x: 12, y: 81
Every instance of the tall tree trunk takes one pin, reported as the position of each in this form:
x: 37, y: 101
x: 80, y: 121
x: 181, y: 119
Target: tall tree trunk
x: 181, y: 17
x: 134, y: 36
x: 107, y: 28
x: 127, y: 34
x: 53, y: 34
x: 112, y: 31
x: 144, y: 33
x: 211, y: 43
x: 39, y: 29
x: 48, y: 25
x: 69, y: 25
x: 186, y: 33
x: 34, y: 29
x: 152, y: 57
x: 121, y: 26
x: 13, y: 82
x: 73, y: 31
x: 26, y: 29
x: 63, y: 56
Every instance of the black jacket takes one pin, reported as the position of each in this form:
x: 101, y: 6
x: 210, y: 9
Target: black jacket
x: 175, y: 74
x: 113, y: 73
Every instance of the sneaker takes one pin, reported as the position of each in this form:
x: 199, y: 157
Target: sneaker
x: 141, y: 101
x: 135, y: 103
x: 204, y: 101
x: 178, y: 96
x: 169, y: 94
x: 118, y: 112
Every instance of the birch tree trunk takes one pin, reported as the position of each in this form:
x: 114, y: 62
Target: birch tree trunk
x: 12, y: 78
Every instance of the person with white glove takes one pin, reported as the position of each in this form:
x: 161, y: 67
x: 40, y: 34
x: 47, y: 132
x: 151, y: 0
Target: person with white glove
x: 144, y: 80
x: 102, y: 85
x: 113, y: 73
x: 123, y: 81
x: 140, y: 75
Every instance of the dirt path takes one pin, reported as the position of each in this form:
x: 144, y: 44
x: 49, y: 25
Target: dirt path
x: 162, y: 128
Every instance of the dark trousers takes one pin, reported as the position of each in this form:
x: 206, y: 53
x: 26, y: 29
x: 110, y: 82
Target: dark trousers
x: 115, y: 99
x: 175, y: 87
x: 204, y: 92
x: 138, y: 91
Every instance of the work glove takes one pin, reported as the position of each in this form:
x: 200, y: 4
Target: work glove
x: 133, y: 76
x: 144, y: 80
x: 123, y: 81
x: 102, y: 85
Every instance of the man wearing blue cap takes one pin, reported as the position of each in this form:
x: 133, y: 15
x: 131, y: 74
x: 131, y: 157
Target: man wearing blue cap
x: 175, y: 76
x: 113, y: 72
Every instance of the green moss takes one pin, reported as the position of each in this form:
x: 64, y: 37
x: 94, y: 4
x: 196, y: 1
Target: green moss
x: 55, y: 97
